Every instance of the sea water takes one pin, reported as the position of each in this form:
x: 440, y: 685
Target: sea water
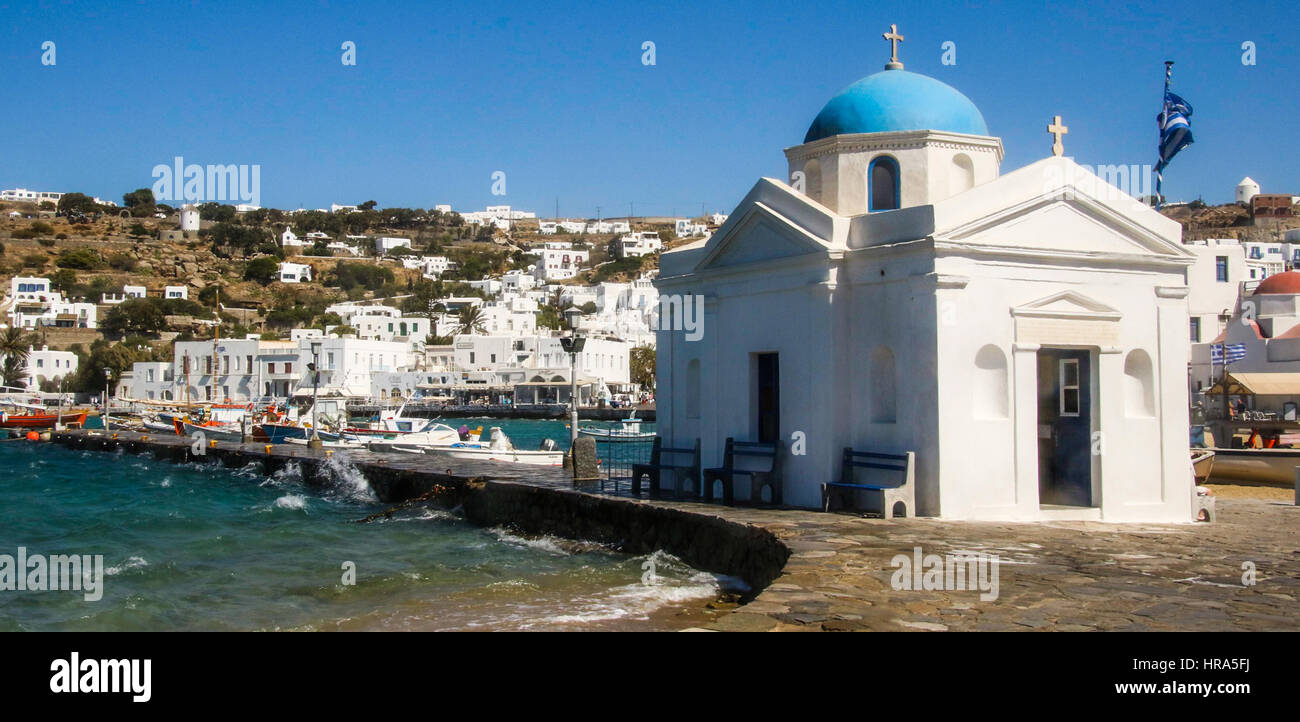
x: 203, y: 547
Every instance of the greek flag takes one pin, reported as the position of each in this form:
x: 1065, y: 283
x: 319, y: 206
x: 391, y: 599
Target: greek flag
x: 1235, y: 352
x: 1175, y: 126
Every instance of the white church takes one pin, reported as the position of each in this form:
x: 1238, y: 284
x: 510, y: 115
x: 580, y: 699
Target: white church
x: 1024, y: 333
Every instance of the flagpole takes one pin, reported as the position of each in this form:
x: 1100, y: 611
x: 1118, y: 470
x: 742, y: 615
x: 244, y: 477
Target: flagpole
x: 1164, y: 112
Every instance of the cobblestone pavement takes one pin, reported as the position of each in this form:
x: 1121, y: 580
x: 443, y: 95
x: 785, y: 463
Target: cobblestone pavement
x: 1058, y: 576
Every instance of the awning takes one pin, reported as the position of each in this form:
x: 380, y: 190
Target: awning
x: 1259, y: 384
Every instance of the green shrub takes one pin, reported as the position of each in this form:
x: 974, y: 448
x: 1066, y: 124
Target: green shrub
x: 80, y: 258
x: 122, y: 261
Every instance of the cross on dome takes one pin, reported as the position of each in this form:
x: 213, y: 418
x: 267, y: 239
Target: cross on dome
x: 894, y: 38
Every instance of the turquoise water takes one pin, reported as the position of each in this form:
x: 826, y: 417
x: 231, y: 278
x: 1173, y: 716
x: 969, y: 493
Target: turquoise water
x: 199, y: 547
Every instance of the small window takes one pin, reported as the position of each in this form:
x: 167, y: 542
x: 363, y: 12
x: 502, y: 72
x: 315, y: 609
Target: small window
x: 883, y: 183
x: 1221, y: 269
x: 1069, y: 387
x: 1196, y: 330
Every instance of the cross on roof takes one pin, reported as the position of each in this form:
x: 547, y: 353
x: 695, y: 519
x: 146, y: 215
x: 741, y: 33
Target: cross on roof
x: 1057, y: 130
x: 894, y: 38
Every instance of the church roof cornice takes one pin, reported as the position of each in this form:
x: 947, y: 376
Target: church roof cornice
x: 896, y: 140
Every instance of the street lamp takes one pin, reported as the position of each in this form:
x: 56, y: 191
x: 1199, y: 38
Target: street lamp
x: 108, y: 380
x: 314, y: 442
x: 572, y: 344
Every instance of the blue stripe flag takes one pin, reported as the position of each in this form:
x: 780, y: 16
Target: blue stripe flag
x: 1235, y: 352
x: 1175, y: 127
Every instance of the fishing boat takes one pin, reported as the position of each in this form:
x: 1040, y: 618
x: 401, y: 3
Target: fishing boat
x: 40, y: 421
x: 1202, y: 465
x: 390, y: 422
x: 211, y: 430
x: 340, y: 443
x: 500, y: 449
x: 161, y: 422
x: 629, y: 429
x: 1269, y: 466
x: 280, y: 433
x: 437, y: 435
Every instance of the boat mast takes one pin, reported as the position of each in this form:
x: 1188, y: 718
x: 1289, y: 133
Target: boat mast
x: 216, y: 338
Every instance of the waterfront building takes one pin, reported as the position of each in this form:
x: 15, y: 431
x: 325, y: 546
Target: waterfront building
x: 46, y: 366
x: 1265, y: 322
x: 1024, y: 333
x: 1212, y: 283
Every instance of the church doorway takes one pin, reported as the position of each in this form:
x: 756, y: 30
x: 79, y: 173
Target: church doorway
x: 768, y: 388
x: 1065, y: 427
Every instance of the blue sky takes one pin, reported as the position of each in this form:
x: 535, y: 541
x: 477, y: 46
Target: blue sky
x: 556, y: 96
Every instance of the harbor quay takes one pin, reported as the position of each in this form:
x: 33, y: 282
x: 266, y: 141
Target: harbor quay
x: 814, y: 571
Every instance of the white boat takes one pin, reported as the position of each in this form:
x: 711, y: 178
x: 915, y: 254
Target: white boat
x: 330, y: 443
x: 388, y: 422
x: 417, y: 441
x: 1269, y: 466
x: 156, y: 424
x: 215, y: 432
x: 629, y: 430
x: 499, y: 449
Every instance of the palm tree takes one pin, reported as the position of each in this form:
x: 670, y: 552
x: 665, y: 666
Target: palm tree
x: 15, y: 344
x: 470, y: 320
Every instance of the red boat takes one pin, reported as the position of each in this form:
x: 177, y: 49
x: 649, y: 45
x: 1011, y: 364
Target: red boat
x: 40, y: 421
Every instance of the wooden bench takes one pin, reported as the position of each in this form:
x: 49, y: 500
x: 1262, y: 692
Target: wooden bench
x: 656, y: 466
x: 762, y: 466
x: 898, y: 490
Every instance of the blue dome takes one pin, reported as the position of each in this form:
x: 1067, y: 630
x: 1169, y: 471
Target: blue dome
x: 894, y: 100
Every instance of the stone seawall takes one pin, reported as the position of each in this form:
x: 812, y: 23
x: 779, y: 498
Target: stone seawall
x: 531, y: 499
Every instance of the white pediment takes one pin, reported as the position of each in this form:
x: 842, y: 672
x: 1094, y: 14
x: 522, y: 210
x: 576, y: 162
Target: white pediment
x: 760, y: 234
x: 1065, y: 225
x: 1068, y: 304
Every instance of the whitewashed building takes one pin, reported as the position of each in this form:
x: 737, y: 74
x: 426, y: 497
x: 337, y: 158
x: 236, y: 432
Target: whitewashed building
x: 1212, y: 283
x: 46, y: 365
x: 1025, y: 334
x: 643, y: 243
x: 388, y: 244
x: 32, y: 302
x: 558, y: 260
x: 289, y: 239
x: 685, y: 228
x: 294, y: 272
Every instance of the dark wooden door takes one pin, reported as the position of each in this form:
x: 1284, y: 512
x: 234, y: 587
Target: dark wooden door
x: 769, y: 398
x: 1065, y: 427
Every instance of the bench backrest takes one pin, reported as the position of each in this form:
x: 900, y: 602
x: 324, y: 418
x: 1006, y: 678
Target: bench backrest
x: 658, y: 450
x: 894, y: 468
x: 752, y: 455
